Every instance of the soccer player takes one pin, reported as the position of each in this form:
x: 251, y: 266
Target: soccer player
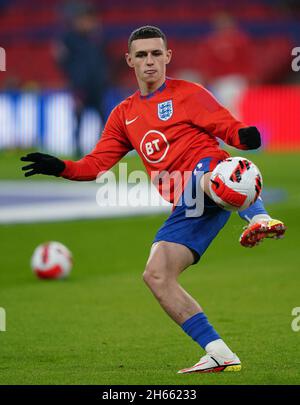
x: 173, y: 125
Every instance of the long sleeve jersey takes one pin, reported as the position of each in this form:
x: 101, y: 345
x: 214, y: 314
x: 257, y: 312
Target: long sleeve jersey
x: 171, y: 129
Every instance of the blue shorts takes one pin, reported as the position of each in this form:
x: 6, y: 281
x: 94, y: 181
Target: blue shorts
x: 196, y: 232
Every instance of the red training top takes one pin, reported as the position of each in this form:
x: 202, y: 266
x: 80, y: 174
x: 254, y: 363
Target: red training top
x: 171, y: 129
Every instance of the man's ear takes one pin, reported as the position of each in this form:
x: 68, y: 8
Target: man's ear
x: 169, y: 56
x: 129, y: 60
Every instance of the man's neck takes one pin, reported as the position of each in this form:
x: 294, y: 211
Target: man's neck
x: 148, y: 88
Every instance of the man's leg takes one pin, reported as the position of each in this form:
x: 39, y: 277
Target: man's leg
x: 166, y: 262
x: 261, y: 225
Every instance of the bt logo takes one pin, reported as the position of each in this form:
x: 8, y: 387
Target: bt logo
x: 154, y: 146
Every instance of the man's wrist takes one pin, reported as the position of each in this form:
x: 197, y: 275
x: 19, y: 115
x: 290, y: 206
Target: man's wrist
x: 60, y: 167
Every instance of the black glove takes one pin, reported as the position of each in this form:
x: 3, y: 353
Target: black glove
x: 250, y: 137
x: 42, y: 164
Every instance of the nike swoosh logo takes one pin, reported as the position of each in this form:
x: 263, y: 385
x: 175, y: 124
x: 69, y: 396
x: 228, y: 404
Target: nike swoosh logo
x: 196, y: 365
x: 131, y: 121
x: 229, y: 362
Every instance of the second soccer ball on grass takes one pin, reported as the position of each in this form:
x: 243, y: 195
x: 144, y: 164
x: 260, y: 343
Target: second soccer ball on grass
x: 51, y: 260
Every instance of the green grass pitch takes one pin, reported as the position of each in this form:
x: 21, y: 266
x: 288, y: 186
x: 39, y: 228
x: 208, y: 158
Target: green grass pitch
x: 103, y: 326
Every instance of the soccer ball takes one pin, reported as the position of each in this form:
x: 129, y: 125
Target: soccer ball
x: 51, y: 260
x: 235, y: 183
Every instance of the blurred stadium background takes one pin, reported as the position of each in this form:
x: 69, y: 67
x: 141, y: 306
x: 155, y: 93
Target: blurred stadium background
x: 241, y: 51
x: 69, y: 332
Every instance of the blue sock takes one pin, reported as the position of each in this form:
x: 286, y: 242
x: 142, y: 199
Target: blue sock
x: 254, y: 209
x: 199, y: 329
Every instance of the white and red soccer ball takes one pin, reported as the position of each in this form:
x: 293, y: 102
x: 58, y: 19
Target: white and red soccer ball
x: 51, y: 260
x: 235, y: 183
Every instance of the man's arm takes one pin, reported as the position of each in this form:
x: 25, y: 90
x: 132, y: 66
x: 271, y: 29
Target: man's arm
x: 206, y: 112
x: 111, y: 147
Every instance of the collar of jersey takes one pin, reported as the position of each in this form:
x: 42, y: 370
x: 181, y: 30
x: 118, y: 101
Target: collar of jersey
x: 150, y: 95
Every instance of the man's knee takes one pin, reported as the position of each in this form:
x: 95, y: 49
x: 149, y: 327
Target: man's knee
x: 155, y: 274
x: 159, y: 270
x: 167, y: 260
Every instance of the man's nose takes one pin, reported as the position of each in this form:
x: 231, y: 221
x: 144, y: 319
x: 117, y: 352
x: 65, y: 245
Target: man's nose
x: 149, y: 59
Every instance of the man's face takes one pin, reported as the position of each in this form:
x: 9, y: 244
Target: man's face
x: 149, y: 58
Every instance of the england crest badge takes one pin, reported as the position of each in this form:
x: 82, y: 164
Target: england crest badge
x: 165, y: 110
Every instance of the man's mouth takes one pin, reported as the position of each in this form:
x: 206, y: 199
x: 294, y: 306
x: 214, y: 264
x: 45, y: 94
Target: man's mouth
x: 150, y: 71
